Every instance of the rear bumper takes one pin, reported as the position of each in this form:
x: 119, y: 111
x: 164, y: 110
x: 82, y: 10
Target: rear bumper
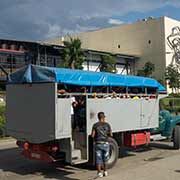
x: 41, y: 152
x: 38, y: 155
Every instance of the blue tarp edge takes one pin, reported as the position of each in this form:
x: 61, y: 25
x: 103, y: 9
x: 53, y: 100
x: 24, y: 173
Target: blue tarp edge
x: 41, y: 74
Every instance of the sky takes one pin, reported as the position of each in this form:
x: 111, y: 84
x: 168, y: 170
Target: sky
x: 48, y: 19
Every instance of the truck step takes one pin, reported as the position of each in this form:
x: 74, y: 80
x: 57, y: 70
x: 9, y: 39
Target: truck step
x: 79, y: 161
x: 76, y: 155
x: 157, y: 137
x: 72, y: 144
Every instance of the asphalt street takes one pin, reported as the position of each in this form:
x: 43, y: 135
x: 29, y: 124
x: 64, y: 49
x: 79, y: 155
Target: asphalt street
x: 158, y: 162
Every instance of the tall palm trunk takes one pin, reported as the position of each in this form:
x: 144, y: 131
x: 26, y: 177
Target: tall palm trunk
x: 72, y: 65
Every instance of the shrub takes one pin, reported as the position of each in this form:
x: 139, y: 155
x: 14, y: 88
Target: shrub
x: 171, y: 104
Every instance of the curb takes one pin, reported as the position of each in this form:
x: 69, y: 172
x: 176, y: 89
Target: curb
x: 4, y: 140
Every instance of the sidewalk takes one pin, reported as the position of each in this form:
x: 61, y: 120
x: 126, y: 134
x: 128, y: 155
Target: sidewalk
x: 7, y: 139
x: 7, y: 143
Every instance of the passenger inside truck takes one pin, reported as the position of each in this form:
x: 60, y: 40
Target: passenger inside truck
x: 136, y: 90
x: 118, y: 89
x: 151, y: 90
x: 62, y: 89
x: 79, y: 107
x: 106, y: 92
x: 99, y: 89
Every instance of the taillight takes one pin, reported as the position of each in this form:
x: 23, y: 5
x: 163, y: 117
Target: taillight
x: 54, y: 149
x: 26, y: 146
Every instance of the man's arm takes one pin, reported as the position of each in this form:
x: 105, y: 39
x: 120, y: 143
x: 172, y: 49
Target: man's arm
x: 93, y: 132
x: 110, y: 131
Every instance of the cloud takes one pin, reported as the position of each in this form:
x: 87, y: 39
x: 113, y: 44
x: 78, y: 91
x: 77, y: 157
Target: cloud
x: 53, y: 31
x: 115, y: 21
x: 38, y: 20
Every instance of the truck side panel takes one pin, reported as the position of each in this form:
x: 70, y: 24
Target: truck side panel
x: 149, y: 113
x: 124, y: 114
x: 63, y: 118
x: 31, y: 112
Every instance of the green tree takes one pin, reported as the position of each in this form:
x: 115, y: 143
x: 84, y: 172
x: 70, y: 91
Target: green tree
x: 147, y: 70
x: 173, y: 77
x: 108, y: 64
x: 73, y: 55
x: 162, y: 81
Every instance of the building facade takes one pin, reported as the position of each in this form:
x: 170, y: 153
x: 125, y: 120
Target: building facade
x: 15, y: 54
x: 154, y: 40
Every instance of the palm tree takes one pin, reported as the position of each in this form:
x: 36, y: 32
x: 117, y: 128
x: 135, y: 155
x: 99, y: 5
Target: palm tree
x: 147, y: 70
x: 73, y: 55
x: 108, y: 64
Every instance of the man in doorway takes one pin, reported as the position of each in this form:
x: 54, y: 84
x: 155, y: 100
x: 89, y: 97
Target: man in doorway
x: 101, y: 131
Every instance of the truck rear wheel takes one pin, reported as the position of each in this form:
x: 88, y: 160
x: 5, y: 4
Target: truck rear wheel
x: 176, y: 138
x: 113, y: 154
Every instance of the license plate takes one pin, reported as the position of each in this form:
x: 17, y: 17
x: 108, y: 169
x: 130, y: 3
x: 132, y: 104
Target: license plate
x: 35, y: 155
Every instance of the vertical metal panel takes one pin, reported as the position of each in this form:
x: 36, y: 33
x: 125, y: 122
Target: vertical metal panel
x: 63, y: 118
x: 149, y: 113
x: 31, y: 112
x: 122, y: 114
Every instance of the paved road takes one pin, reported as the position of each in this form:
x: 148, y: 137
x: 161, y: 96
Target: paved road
x: 159, y: 162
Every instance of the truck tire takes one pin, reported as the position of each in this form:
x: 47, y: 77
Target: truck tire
x: 176, y: 138
x: 114, y: 153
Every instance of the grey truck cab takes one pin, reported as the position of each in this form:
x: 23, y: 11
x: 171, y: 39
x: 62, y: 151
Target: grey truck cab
x: 50, y: 111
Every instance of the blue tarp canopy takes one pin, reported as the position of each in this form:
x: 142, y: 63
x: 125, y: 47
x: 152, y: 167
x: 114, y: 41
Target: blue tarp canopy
x: 39, y: 74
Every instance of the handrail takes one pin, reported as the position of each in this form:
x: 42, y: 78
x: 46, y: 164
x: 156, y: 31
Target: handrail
x: 107, y: 94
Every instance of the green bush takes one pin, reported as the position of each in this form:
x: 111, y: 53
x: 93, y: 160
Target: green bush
x: 171, y: 104
x: 176, y: 95
x: 2, y: 120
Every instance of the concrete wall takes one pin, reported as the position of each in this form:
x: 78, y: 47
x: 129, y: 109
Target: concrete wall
x: 146, y: 39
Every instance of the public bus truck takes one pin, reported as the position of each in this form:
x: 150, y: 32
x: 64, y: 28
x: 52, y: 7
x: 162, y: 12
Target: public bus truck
x: 41, y: 117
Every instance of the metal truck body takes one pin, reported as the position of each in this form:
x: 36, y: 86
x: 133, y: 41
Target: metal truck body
x: 36, y: 115
x: 41, y: 120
